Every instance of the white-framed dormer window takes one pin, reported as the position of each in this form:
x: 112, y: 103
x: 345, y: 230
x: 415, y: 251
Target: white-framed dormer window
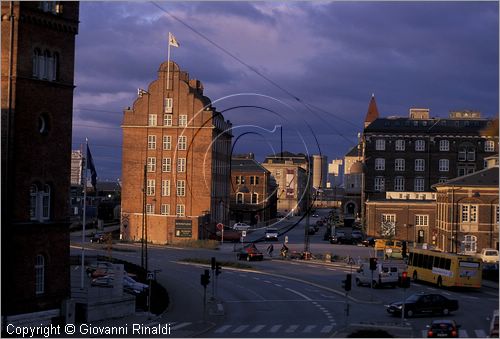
x: 180, y: 210
x: 444, y: 165
x: 240, y: 198
x: 399, y: 164
x: 165, y: 209
x: 379, y: 164
x: 181, y: 188
x: 182, y: 144
x: 420, y: 145
x: 150, y: 189
x: 444, y: 145
x: 165, y: 188
x: 379, y: 185
x: 489, y: 146
x: 167, y: 142
x: 419, y: 165
x: 166, y: 165
x: 181, y: 165
x: 380, y: 145
x: 400, y: 145
x: 39, y: 274
x: 169, y: 103
x: 151, y: 141
x: 419, y: 184
x: 399, y: 184
x: 152, y: 120
x: 151, y: 164
x: 167, y: 119
x: 183, y: 120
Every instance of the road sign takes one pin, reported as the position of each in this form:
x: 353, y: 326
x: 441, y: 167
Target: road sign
x: 220, y: 226
x: 286, y: 239
x: 243, y: 233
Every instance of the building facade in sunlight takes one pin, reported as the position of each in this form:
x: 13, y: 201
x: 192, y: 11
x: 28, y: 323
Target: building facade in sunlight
x: 176, y: 161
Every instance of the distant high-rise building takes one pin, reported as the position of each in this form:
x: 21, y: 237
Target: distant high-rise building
x: 335, y: 172
x: 319, y: 171
x: 38, y: 61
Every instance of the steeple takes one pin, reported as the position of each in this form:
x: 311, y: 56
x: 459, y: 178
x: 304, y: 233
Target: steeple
x: 372, y: 113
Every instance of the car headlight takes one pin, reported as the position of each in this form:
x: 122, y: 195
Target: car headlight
x: 400, y: 307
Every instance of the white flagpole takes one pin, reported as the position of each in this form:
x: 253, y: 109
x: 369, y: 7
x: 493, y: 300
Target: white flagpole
x: 84, y: 212
x: 168, y: 62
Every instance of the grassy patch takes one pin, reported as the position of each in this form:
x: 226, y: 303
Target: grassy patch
x: 210, y: 244
x: 223, y: 263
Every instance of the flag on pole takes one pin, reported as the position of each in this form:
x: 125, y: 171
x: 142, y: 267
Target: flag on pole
x: 91, y: 167
x: 172, y: 41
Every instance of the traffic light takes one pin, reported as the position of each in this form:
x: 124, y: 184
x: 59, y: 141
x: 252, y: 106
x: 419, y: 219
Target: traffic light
x: 405, y: 280
x: 205, y: 278
x: 218, y: 268
x: 213, y: 263
x: 403, y: 249
x: 373, y: 264
x: 346, y: 284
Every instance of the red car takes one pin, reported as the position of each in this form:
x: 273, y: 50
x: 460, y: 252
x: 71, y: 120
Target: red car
x: 250, y: 252
x: 443, y: 328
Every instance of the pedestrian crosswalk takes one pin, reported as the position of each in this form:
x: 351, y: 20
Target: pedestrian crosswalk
x: 287, y: 329
x: 462, y: 333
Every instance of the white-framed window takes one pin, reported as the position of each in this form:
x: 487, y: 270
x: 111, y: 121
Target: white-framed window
x: 379, y: 164
x: 169, y: 104
x: 254, y: 180
x: 400, y: 145
x: 36, y: 67
x: 39, y: 274
x: 240, y: 198
x: 167, y: 142
x: 379, y: 184
x: 420, y: 145
x: 489, y: 146
x: 497, y: 214
x: 470, y: 244
x: 421, y: 220
x: 152, y: 120
x: 151, y: 164
x: 240, y: 179
x: 442, y: 180
x: 180, y: 210
x: 419, y: 165
x: 399, y: 184
x: 165, y: 209
x: 33, y: 202
x: 466, y: 153
x: 254, y: 198
x: 181, y: 188
x: 165, y: 188
x: 389, y: 218
x: 151, y: 141
x: 181, y: 165
x: 399, y: 164
x: 183, y: 120
x: 150, y: 189
x: 419, y: 184
x: 444, y: 145
x: 380, y: 145
x: 167, y: 119
x: 45, y: 202
x: 469, y: 213
x: 166, y: 165
x: 444, y: 165
x: 182, y: 145
x: 150, y: 209
x: 40, y: 203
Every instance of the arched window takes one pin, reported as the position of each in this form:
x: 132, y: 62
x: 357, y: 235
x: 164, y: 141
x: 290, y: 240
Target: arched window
x: 33, y: 202
x: 239, y: 198
x: 47, y: 69
x: 37, y: 55
x: 39, y: 274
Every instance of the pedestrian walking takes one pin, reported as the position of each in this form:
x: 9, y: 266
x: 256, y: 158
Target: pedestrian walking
x: 270, y: 250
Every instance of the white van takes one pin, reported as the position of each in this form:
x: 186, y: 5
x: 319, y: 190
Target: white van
x: 388, y: 272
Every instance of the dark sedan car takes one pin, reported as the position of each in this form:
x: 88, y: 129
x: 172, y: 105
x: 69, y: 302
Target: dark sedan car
x: 423, y: 304
x: 250, y: 252
x: 443, y: 329
x: 98, y: 238
x: 369, y: 241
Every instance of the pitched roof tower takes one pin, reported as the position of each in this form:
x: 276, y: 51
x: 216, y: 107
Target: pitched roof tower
x: 372, y: 113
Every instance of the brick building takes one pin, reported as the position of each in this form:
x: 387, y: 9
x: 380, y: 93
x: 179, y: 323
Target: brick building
x: 38, y: 53
x: 176, y: 147
x: 253, y: 191
x: 351, y: 201
x: 468, y: 212
x: 291, y: 174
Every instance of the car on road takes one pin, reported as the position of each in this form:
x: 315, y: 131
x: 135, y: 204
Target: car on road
x: 488, y: 255
x: 241, y: 226
x: 98, y: 238
x: 357, y: 234
x: 272, y: 234
x: 423, y: 304
x: 315, y: 215
x: 368, y: 242
x: 250, y: 252
x: 445, y: 328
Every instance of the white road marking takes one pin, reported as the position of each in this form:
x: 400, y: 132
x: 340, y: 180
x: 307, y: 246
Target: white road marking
x: 309, y: 328
x: 328, y: 296
x: 181, y: 325
x: 278, y: 285
x: 240, y: 328
x: 298, y: 293
x: 275, y: 328
x: 267, y: 282
x: 463, y: 334
x: 255, y: 278
x: 292, y: 328
x: 243, y: 275
x: 327, y: 329
x: 257, y: 328
x: 470, y: 297
x: 222, y: 329
x: 446, y: 293
x: 480, y: 333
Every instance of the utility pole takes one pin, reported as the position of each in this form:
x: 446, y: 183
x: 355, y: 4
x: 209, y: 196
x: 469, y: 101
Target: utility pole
x: 143, y: 216
x: 307, y: 210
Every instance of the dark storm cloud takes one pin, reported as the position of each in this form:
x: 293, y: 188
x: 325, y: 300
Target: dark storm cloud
x: 442, y: 56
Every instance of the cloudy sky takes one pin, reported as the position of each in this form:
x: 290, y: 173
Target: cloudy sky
x: 310, y: 67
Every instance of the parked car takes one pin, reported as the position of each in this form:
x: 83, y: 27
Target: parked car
x: 357, y: 234
x: 105, y: 281
x: 488, y: 255
x: 135, y: 287
x: 98, y: 238
x: 369, y: 241
x: 272, y: 234
x: 241, y: 226
x: 443, y: 329
x: 423, y: 304
x: 315, y: 215
x: 250, y: 252
x: 100, y: 269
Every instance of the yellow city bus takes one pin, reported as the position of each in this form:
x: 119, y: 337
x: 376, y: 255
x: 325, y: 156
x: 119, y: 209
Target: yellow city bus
x: 444, y: 269
x: 387, y: 249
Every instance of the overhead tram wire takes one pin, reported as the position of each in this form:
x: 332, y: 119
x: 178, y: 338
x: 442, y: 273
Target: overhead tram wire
x: 253, y: 69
